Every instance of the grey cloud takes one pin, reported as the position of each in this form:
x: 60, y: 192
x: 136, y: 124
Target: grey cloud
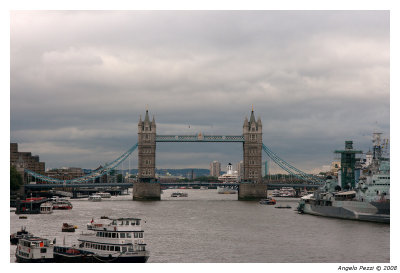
x: 81, y: 79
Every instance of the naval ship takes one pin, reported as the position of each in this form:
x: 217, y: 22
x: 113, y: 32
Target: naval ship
x: 369, y: 200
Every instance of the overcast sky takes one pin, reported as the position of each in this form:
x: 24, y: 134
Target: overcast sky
x: 80, y: 80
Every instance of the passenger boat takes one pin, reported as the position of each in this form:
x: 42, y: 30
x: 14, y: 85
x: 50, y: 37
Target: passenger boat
x: 268, y: 201
x: 287, y: 192
x: 94, y: 198
x: 68, y: 228
x: 14, y: 238
x: 61, y: 204
x: 104, y: 194
x: 179, y: 194
x: 46, y: 208
x: 276, y: 193
x: 31, y: 249
x: 30, y: 205
x: 119, y: 241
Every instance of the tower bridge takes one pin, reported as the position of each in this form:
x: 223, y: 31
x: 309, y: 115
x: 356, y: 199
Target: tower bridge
x: 148, y: 188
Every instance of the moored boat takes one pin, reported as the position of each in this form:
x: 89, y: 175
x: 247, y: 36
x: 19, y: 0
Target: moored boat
x: 61, y: 204
x: 14, y: 238
x: 121, y: 240
x: 104, y: 194
x: 46, y: 208
x: 95, y: 198
x: 368, y: 200
x: 33, y: 249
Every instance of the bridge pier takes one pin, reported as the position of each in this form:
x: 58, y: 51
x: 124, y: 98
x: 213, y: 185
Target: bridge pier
x: 146, y: 191
x: 252, y: 191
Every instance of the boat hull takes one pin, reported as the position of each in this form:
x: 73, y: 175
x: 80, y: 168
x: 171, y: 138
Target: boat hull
x: 20, y: 259
x: 352, y: 210
x: 62, y: 257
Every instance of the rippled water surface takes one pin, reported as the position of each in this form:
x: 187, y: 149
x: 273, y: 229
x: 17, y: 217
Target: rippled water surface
x: 211, y: 227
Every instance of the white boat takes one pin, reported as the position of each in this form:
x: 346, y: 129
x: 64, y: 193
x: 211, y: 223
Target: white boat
x: 104, y: 194
x: 287, y: 192
x: 179, y: 194
x: 94, y: 198
x: 226, y: 190
x: 119, y: 241
x: 31, y: 249
x: 46, y: 208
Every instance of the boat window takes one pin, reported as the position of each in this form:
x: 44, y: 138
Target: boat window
x: 98, y: 234
x: 111, y: 248
x: 133, y: 223
x: 135, y: 235
x: 113, y: 235
x: 114, y: 222
x: 122, y: 235
x: 126, y: 222
x: 108, y: 234
x: 117, y: 248
x: 108, y: 248
x: 121, y: 223
x: 103, y: 247
x: 123, y: 249
x: 129, y: 235
x: 43, y: 250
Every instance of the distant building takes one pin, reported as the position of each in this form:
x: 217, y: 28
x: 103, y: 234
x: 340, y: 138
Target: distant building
x: 25, y: 160
x: 215, y: 168
x: 265, y: 168
x: 240, y: 169
x: 65, y: 173
x: 335, y: 167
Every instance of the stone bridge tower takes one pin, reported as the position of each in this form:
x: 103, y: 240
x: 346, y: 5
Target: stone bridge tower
x: 253, y: 187
x: 146, y: 149
x: 143, y: 189
x: 252, y: 149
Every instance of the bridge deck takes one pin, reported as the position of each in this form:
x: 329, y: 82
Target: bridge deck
x: 198, y: 138
x: 176, y: 184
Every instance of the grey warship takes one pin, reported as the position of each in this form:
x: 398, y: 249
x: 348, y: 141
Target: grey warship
x: 366, y: 198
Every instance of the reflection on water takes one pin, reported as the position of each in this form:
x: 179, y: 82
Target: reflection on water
x: 211, y: 227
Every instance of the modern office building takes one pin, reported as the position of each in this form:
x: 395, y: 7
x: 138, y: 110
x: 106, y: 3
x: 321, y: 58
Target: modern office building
x: 215, y: 168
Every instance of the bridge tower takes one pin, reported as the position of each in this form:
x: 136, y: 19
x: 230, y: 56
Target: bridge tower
x: 143, y: 189
x: 252, y: 186
x: 252, y: 149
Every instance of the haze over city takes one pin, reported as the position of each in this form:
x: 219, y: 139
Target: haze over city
x: 81, y: 79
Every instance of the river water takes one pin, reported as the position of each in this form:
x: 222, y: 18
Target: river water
x: 207, y: 227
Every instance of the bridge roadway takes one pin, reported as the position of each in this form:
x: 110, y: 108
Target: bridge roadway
x: 176, y: 184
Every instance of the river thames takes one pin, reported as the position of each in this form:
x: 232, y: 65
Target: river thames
x: 207, y: 227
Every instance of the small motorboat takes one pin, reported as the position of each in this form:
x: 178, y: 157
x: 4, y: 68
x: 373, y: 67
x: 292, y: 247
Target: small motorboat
x: 68, y: 228
x: 268, y: 201
x: 179, y: 194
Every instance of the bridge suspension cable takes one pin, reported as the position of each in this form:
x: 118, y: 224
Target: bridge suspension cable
x: 91, y: 176
x: 291, y: 169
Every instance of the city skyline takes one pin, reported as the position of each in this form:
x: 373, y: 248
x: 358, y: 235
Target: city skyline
x: 80, y: 80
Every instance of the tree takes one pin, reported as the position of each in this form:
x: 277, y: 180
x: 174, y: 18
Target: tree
x: 15, y: 179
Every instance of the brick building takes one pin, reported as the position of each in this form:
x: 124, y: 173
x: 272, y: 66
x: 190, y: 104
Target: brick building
x: 25, y: 160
